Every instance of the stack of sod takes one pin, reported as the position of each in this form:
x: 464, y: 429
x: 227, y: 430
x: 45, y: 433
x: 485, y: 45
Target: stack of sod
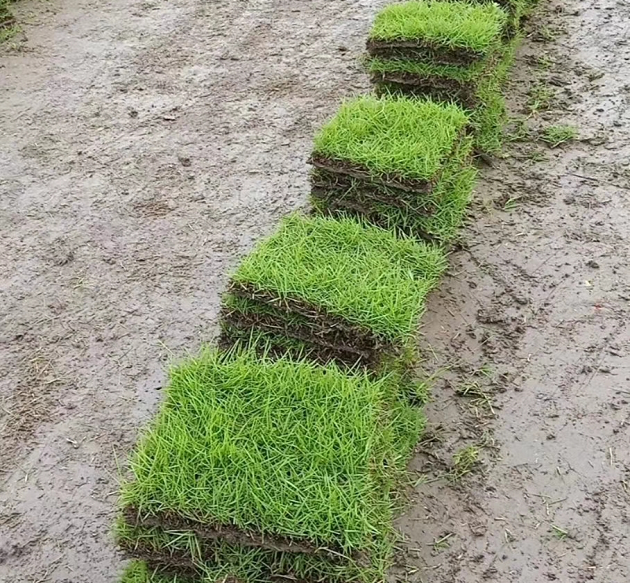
x: 449, y: 51
x: 401, y: 163
x: 333, y: 290
x: 256, y: 468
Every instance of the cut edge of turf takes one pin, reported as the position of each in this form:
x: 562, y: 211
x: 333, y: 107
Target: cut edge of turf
x: 450, y: 200
x: 184, y: 552
x: 312, y: 332
x: 175, y: 553
x: 422, y: 70
x: 301, y: 338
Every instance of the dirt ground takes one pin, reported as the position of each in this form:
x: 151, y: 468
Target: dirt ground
x: 146, y: 146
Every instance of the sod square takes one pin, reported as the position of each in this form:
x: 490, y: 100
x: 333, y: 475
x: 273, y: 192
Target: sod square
x: 517, y: 11
x: 279, y: 454
x: 401, y: 163
x: 415, y: 50
x: 458, y: 33
x: 442, y: 49
x: 340, y: 289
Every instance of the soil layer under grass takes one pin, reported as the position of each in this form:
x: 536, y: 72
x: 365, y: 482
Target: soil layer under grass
x: 183, y: 553
x: 334, y: 290
x: 401, y: 163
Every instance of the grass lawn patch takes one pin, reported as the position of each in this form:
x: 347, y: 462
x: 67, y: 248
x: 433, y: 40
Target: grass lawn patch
x: 393, y: 160
x: 439, y: 32
x: 8, y: 23
x: 282, y: 455
x: 343, y: 290
x: 140, y: 572
x: 398, y: 141
x: 6, y: 16
x: 517, y: 11
x: 559, y: 134
x: 490, y: 117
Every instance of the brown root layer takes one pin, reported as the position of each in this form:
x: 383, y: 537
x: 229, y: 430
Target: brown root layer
x: 353, y: 200
x: 420, y: 50
x: 234, y: 331
x: 173, y: 562
x: 325, y: 184
x: 347, y: 207
x: 437, y: 88
x: 328, y: 338
x: 179, y: 563
x: 227, y: 533
x: 333, y: 330
x: 346, y: 168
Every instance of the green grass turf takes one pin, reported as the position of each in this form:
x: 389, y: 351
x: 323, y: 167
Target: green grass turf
x: 281, y: 338
x: 8, y: 26
x: 276, y: 344
x: 455, y: 25
x: 451, y: 196
x: 357, y: 272
x: 139, y: 572
x: 490, y: 118
x: 405, y: 138
x: 265, y: 342
x: 5, y: 11
x: 275, y: 331
x: 282, y: 447
x: 516, y: 9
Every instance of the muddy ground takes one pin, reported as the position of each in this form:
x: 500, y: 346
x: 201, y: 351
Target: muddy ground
x: 146, y: 146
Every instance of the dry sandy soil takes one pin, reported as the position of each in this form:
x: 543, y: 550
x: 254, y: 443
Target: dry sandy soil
x: 147, y: 145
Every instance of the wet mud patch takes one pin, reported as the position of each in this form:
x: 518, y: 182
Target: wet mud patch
x: 146, y: 148
x: 528, y: 334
